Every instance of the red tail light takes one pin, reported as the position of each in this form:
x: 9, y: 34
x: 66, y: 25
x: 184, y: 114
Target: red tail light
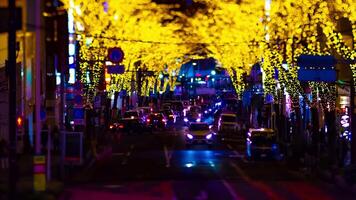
x: 148, y: 120
x: 121, y: 126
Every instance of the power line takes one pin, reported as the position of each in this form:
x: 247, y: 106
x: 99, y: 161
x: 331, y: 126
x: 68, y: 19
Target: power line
x: 171, y: 43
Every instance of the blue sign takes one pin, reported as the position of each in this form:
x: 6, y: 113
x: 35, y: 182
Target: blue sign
x: 316, y: 62
x: 316, y: 68
x: 117, y: 69
x: 115, y: 55
x: 320, y: 75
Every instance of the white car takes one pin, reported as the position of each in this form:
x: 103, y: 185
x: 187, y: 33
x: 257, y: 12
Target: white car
x: 199, y: 132
x: 228, y: 123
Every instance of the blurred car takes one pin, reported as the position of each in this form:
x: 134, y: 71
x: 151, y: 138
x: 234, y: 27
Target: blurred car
x: 132, y: 120
x: 115, y: 127
x: 156, y: 121
x: 145, y: 110
x: 262, y: 143
x: 228, y: 124
x: 193, y: 115
x: 199, y: 132
x: 169, y: 114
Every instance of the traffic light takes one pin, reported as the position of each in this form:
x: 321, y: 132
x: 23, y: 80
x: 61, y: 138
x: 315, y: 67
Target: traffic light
x: 19, y: 122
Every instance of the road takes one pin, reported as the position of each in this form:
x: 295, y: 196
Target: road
x: 159, y: 166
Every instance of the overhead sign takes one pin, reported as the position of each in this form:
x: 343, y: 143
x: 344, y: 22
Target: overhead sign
x: 316, y: 62
x: 116, y: 69
x: 116, y: 55
x: 316, y: 68
x: 319, y: 75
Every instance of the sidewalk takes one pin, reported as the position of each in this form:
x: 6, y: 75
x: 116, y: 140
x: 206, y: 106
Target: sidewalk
x: 25, y: 182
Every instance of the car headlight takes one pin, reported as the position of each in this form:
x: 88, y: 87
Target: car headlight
x: 198, y: 120
x: 185, y: 119
x: 190, y: 136
x: 209, y: 136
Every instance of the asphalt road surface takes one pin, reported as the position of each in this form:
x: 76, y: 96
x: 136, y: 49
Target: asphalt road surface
x: 159, y: 166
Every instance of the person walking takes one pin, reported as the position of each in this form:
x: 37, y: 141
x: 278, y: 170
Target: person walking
x: 3, y: 153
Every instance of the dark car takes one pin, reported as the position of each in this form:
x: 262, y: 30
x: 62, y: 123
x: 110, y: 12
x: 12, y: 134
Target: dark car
x: 169, y: 114
x: 131, y: 121
x: 156, y: 121
x: 262, y: 143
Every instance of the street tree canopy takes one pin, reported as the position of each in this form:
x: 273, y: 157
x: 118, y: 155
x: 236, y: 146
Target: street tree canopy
x: 238, y: 34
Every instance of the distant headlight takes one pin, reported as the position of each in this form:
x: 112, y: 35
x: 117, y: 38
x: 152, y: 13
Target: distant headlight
x: 198, y: 120
x: 190, y: 136
x: 185, y: 119
x: 206, y: 112
x: 208, y: 137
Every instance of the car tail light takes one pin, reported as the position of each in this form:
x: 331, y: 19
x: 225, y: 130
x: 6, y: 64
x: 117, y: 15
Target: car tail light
x: 148, y: 120
x: 163, y: 120
x: 121, y: 126
x: 111, y: 126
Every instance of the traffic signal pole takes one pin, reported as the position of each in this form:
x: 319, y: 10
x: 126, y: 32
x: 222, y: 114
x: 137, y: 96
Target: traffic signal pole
x: 11, y: 67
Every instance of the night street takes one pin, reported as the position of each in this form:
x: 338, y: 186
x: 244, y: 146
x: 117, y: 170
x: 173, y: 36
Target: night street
x: 177, y: 99
x: 159, y: 166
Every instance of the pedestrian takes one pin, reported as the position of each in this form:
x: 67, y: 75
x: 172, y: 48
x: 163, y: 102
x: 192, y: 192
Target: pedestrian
x: 3, y: 153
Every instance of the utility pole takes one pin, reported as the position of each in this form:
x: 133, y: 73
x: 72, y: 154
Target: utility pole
x: 12, y: 98
x: 38, y: 56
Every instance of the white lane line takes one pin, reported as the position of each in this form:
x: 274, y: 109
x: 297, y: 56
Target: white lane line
x: 127, y: 155
x: 231, y: 190
x: 118, y: 154
x: 167, y: 155
x: 230, y: 147
x: 236, y: 154
x: 240, y: 171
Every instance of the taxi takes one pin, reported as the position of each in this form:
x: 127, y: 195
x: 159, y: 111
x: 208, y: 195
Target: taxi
x: 199, y: 132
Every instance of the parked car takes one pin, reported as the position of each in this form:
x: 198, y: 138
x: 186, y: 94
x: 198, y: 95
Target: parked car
x: 228, y: 124
x: 262, y: 143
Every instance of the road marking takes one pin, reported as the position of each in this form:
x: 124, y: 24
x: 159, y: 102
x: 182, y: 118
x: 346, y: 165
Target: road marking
x: 230, y: 147
x: 127, y: 155
x: 236, y: 154
x: 264, y: 188
x: 167, y: 155
x: 118, y: 154
x: 113, y: 186
x: 231, y: 190
x: 202, y: 196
